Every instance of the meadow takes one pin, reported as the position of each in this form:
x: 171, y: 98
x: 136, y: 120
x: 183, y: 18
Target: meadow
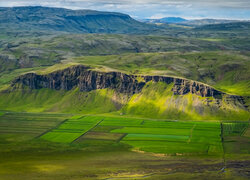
x: 39, y: 146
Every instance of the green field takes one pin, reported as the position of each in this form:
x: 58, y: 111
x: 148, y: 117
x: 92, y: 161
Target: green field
x: 71, y: 129
x: 156, y: 136
x: 16, y: 127
x: 50, y: 146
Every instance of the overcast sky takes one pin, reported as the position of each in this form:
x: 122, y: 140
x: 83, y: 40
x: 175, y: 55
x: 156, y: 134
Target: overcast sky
x: 141, y: 9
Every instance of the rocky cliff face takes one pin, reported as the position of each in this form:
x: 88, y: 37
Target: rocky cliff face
x: 88, y: 80
x: 132, y: 92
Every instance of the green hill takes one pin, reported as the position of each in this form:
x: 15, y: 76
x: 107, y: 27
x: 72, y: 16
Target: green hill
x: 79, y: 21
x: 78, y: 89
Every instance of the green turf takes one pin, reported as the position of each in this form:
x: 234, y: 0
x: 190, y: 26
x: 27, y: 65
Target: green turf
x: 61, y: 137
x: 159, y: 130
x: 154, y: 146
x: 71, y: 129
x: 16, y: 127
x: 167, y: 147
x: 121, y: 121
x: 138, y: 137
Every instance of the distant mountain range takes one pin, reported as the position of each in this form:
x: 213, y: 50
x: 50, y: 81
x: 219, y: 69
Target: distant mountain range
x: 38, y: 21
x: 197, y: 22
x: 77, y: 21
x: 201, y: 22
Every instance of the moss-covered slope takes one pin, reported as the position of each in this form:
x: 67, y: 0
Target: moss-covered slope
x: 78, y: 89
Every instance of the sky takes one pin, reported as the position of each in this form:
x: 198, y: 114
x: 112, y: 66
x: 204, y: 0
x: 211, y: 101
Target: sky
x: 152, y: 9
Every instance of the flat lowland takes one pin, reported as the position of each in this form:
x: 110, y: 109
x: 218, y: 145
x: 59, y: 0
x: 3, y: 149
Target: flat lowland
x: 68, y: 146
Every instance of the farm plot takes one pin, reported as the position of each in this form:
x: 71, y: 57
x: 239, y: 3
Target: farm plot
x: 171, y: 137
x: 157, y: 136
x: 16, y: 127
x: 230, y: 129
x: 118, y: 121
x: 208, y: 134
x: 236, y: 138
x: 72, y: 129
x: 247, y: 132
x: 101, y: 136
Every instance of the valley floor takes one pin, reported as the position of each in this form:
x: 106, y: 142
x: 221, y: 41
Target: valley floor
x: 67, y: 146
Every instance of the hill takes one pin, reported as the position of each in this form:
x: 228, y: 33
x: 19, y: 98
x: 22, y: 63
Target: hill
x: 65, y: 20
x: 202, y: 22
x: 78, y: 89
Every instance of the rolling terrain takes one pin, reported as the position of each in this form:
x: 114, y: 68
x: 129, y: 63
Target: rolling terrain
x: 66, y: 20
x: 98, y: 95
x: 146, y: 96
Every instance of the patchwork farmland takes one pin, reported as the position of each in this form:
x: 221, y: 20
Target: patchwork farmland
x: 157, y: 136
x: 40, y: 140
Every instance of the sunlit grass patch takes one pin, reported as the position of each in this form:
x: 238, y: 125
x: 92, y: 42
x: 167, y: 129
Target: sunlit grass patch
x: 61, y: 137
x: 147, y: 137
x: 49, y: 168
x: 72, y: 129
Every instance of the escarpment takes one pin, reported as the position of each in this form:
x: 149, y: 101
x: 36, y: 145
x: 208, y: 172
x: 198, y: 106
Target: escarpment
x: 87, y: 80
x: 83, y: 78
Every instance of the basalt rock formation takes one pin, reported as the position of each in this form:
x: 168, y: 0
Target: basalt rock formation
x: 80, y: 89
x: 87, y: 80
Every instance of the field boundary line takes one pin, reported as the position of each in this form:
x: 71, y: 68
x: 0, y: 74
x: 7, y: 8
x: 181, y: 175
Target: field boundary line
x: 244, y: 130
x: 55, y: 127
x: 125, y: 134
x: 191, y: 134
x: 88, y: 131
x: 223, y: 145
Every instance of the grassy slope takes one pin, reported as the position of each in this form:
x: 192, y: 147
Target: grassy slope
x: 158, y: 101
x: 62, y: 101
x: 155, y: 101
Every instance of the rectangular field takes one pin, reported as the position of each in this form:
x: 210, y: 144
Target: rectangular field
x: 16, y: 127
x: 169, y: 137
x: 236, y: 137
x: 157, y: 136
x: 71, y: 129
x: 102, y: 136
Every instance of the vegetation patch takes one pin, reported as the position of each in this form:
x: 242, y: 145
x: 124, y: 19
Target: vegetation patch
x: 16, y: 127
x: 101, y: 136
x: 71, y: 129
x: 138, y: 137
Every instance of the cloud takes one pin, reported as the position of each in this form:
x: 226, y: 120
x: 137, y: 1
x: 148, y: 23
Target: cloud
x: 234, y: 9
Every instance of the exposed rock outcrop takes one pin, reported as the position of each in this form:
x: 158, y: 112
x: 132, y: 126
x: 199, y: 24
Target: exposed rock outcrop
x: 87, y: 80
x: 205, y: 101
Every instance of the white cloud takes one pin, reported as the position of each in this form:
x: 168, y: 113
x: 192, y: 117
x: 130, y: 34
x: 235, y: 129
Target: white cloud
x: 157, y: 16
x: 213, y: 3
